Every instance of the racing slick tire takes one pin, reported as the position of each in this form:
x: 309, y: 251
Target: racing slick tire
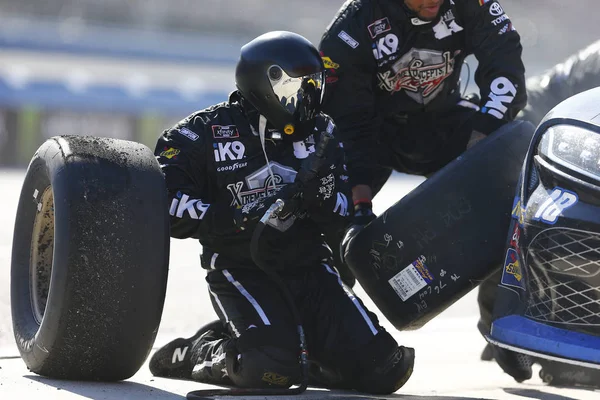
x: 89, y: 259
x: 446, y: 236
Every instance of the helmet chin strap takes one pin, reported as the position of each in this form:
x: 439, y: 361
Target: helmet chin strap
x: 262, y: 128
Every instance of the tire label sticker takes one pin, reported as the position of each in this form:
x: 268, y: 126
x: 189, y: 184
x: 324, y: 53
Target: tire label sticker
x: 411, y: 279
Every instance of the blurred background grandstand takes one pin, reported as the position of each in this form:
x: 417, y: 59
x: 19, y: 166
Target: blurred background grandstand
x: 130, y: 68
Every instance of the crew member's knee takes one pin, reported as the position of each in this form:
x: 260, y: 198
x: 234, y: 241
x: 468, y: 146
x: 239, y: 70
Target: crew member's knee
x: 384, y: 366
x: 264, y: 358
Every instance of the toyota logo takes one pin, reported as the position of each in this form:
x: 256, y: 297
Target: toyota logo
x: 496, y: 9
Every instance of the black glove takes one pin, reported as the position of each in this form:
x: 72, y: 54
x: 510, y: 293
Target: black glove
x: 320, y: 196
x: 485, y: 123
x: 480, y: 124
x: 363, y: 215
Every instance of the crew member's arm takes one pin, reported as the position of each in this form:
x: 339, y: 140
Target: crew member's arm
x: 578, y: 73
x: 350, y: 99
x: 500, y: 74
x: 182, y: 155
x: 326, y: 197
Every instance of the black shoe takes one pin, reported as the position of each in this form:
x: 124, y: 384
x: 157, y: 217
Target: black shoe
x: 515, y: 364
x: 176, y: 359
x: 323, y: 376
x: 408, y: 365
x: 560, y: 374
x: 399, y: 364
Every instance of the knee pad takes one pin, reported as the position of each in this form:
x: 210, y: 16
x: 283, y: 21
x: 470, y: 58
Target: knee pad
x: 384, y: 367
x: 264, y: 357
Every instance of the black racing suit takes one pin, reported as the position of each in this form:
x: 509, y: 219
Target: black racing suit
x: 393, y: 84
x: 215, y: 171
x: 394, y: 81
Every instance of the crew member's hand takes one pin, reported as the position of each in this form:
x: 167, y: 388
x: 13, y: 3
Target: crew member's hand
x: 319, y: 196
x: 481, y: 123
x: 363, y: 215
x: 484, y: 124
x: 249, y: 214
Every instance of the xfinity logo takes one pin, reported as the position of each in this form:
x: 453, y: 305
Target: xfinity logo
x: 385, y: 46
x: 229, y: 151
x: 502, y: 92
x: 225, y: 131
x: 378, y: 27
x: 195, y: 208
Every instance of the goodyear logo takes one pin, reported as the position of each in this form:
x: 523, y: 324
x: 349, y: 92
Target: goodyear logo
x: 170, y: 152
x: 329, y: 64
x: 275, y: 379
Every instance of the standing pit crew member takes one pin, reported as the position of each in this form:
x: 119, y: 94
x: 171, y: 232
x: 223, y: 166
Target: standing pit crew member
x: 394, y: 93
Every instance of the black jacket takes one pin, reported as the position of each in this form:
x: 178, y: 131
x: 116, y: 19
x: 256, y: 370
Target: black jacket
x: 214, y: 165
x: 383, y: 62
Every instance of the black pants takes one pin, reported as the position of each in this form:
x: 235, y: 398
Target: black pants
x: 341, y: 333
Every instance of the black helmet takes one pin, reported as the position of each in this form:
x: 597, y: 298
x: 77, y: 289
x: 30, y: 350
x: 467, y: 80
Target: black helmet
x: 282, y: 75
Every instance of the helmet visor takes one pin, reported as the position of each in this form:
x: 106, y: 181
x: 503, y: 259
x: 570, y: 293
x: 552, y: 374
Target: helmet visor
x: 301, y: 97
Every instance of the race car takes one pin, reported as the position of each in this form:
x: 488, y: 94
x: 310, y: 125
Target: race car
x: 548, y: 303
